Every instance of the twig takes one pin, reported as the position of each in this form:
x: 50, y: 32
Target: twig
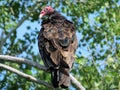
x: 29, y: 77
x: 35, y: 64
x: 1, y: 41
x: 76, y: 83
x: 22, y: 20
x: 93, y: 62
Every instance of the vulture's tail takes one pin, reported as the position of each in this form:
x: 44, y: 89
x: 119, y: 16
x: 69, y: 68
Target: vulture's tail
x: 55, y: 77
x: 58, y: 78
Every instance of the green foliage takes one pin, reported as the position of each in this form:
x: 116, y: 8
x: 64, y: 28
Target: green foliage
x: 97, y: 21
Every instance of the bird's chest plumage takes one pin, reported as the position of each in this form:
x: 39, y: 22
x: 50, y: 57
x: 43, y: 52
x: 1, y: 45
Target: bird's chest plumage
x: 52, y: 31
x: 58, y: 42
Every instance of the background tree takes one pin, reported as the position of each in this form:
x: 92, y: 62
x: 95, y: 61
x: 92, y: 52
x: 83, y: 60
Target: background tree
x: 97, y: 58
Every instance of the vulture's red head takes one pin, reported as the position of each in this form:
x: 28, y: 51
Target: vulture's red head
x: 46, y: 11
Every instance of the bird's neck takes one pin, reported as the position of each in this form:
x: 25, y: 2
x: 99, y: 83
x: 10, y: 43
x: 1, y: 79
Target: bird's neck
x: 56, y: 16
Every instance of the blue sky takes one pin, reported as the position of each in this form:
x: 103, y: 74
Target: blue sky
x: 22, y: 30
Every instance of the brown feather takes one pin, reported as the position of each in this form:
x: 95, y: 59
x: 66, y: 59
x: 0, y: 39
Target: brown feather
x: 57, y: 45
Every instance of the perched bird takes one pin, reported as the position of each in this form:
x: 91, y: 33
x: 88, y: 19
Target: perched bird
x: 57, y: 44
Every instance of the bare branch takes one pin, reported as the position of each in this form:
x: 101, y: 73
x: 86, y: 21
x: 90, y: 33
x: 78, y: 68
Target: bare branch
x: 35, y: 64
x: 22, y: 60
x: 76, y: 83
x: 29, y: 77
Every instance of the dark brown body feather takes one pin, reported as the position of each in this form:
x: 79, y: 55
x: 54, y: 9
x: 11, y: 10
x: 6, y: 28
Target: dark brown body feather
x: 57, y: 45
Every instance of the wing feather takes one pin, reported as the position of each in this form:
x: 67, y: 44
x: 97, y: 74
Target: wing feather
x: 57, y: 45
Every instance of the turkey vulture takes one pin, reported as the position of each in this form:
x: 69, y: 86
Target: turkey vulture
x: 57, y: 44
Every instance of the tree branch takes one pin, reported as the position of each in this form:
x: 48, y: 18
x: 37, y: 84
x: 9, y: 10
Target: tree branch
x: 76, y: 83
x: 35, y: 64
x: 29, y: 77
x: 22, y: 60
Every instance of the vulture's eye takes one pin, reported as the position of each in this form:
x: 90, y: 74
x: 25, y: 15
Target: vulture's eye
x: 42, y: 12
x: 46, y: 9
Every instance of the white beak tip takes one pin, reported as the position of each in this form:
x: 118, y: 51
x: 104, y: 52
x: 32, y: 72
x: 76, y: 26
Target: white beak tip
x: 40, y: 16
